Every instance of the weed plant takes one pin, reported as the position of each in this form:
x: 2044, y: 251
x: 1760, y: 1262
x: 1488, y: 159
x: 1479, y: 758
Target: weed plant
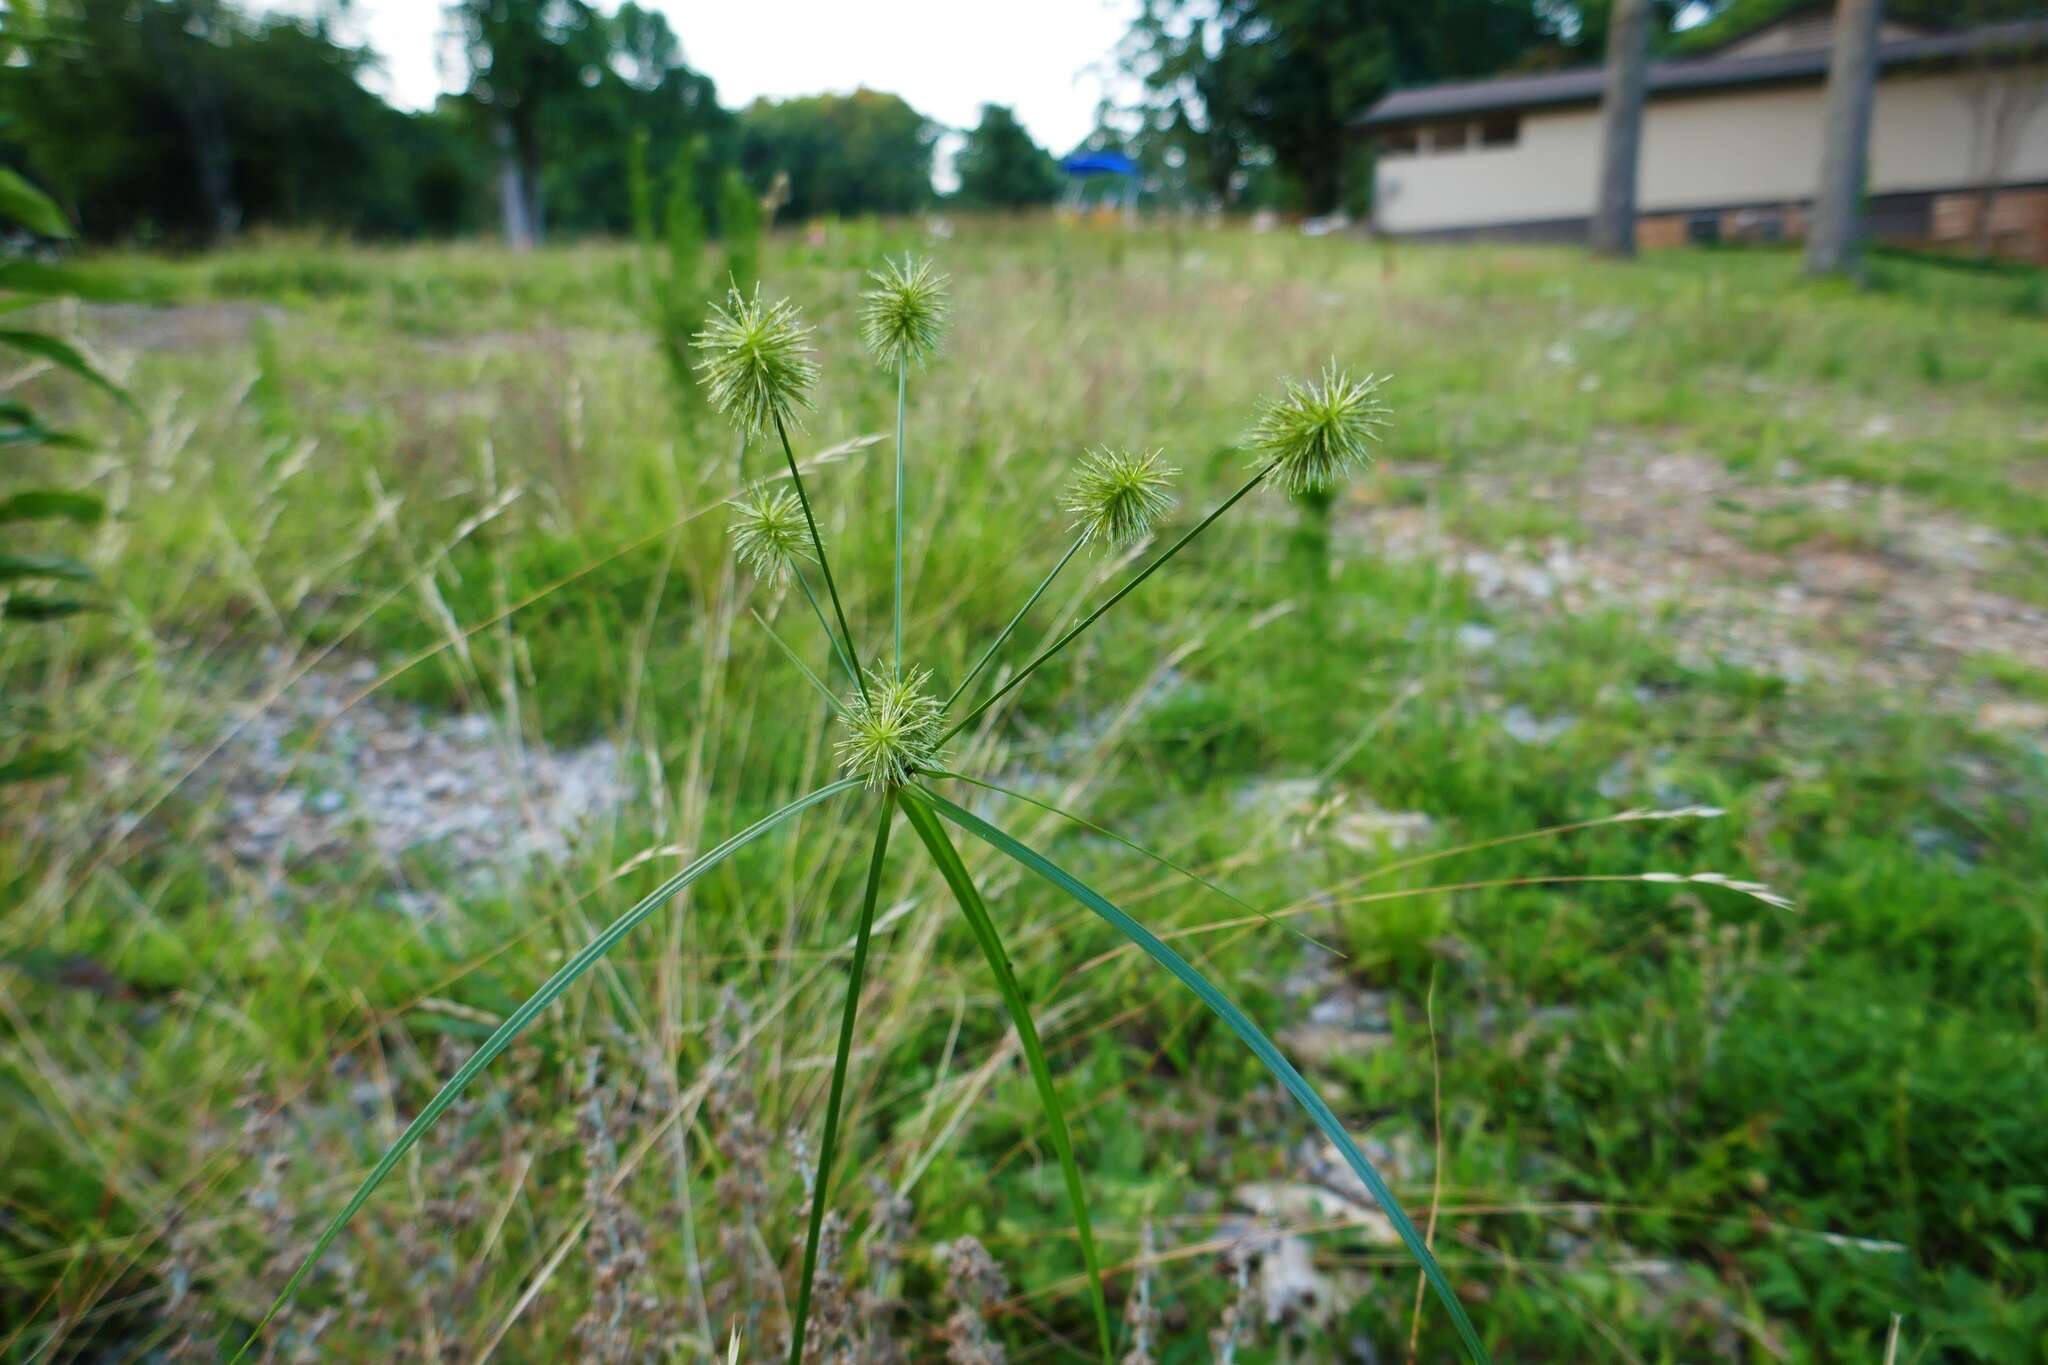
x: 755, y: 361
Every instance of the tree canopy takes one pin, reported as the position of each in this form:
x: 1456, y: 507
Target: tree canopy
x: 867, y: 152
x: 185, y: 119
x: 1002, y: 168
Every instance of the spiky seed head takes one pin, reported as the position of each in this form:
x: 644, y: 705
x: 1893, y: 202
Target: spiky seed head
x: 756, y: 362
x: 892, y: 730
x: 768, y: 533
x: 904, y: 314
x: 1116, y: 496
x: 1317, y: 433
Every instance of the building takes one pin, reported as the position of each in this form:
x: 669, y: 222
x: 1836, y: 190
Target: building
x: 1731, y: 143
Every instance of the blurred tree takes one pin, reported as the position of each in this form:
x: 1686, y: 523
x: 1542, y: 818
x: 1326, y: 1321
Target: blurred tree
x: 1621, y: 128
x: 1287, y: 76
x: 2006, y: 84
x: 185, y: 119
x: 641, y: 87
x: 867, y: 152
x: 1730, y: 19
x: 1834, y: 240
x: 525, y: 56
x: 1002, y: 168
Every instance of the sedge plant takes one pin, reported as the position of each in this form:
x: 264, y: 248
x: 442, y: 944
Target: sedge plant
x: 754, y: 359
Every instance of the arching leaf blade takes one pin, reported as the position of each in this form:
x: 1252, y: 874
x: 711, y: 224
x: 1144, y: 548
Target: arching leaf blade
x: 975, y: 910
x: 1247, y: 1031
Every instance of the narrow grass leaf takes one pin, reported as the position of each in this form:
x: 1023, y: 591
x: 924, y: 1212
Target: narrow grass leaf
x: 1251, y: 1035
x: 517, y: 1021
x: 30, y: 207
x: 64, y: 356
x: 976, y: 913
x: 14, y: 567
x: 42, y: 504
x: 1159, y: 561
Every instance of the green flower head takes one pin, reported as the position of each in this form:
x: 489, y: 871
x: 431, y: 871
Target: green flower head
x: 904, y: 313
x: 1316, y: 434
x: 757, y: 362
x: 1117, y: 496
x: 768, y: 533
x: 891, y: 730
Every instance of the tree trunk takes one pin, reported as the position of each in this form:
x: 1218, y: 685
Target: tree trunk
x: 1834, y: 239
x: 512, y: 203
x: 526, y: 145
x: 1621, y: 118
x: 536, y: 217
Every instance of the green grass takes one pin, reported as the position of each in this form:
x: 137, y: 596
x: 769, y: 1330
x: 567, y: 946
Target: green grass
x: 1800, y: 1123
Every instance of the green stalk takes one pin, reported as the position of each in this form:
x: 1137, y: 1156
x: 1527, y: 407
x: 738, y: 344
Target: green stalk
x: 824, y: 564
x: 917, y: 809
x: 1121, y: 593
x: 838, y: 650
x: 838, y: 708
x: 829, y: 1143
x: 1029, y: 602
x: 902, y: 391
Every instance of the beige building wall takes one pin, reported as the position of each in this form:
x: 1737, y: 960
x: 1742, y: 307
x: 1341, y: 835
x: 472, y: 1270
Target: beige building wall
x: 1723, y: 148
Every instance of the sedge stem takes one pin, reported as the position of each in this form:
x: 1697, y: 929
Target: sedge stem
x: 1090, y: 619
x: 824, y: 565
x: 818, y: 611
x: 1029, y: 602
x: 902, y: 391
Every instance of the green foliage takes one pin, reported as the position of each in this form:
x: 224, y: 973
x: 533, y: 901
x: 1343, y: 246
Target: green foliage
x: 867, y: 152
x: 1000, y: 167
x: 631, y: 87
x: 1727, y: 20
x: 184, y: 120
x: 739, y: 231
x: 1250, y: 80
x: 672, y: 284
x: 27, y: 751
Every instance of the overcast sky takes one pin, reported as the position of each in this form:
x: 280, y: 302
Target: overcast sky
x: 1050, y: 59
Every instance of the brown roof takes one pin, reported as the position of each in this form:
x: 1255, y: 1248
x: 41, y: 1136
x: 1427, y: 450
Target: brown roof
x: 1582, y: 85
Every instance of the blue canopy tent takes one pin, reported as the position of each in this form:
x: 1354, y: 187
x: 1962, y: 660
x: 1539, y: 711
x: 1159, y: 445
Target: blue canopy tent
x: 1082, y: 167
x: 1082, y: 164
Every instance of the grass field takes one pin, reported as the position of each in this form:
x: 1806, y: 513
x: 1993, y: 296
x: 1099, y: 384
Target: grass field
x: 1687, y: 533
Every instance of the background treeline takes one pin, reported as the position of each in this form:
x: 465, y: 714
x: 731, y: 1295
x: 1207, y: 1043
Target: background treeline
x: 183, y: 121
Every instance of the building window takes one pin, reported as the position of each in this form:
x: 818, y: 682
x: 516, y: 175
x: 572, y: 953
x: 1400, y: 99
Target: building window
x: 1502, y: 130
x: 1448, y: 137
x: 1400, y: 142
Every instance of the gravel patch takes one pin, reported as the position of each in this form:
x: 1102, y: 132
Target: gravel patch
x: 1901, y: 606
x: 396, y: 780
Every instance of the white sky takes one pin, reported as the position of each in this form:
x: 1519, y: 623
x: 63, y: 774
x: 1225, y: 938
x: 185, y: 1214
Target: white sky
x: 1052, y: 59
